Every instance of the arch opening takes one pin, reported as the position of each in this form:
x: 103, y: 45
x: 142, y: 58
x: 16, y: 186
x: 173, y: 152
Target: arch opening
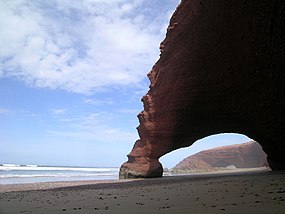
x: 215, y: 153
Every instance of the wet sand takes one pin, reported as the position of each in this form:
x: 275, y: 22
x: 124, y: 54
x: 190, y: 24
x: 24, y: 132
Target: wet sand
x: 240, y: 192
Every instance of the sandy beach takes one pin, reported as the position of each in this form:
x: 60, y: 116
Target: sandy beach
x: 240, y: 192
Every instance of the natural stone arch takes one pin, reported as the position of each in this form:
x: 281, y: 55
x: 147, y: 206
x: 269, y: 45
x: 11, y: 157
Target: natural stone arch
x: 221, y: 69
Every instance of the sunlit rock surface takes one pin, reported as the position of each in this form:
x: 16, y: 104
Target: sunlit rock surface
x: 221, y: 70
x: 246, y: 155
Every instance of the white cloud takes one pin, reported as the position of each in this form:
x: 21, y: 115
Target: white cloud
x: 58, y: 111
x: 97, y: 136
x: 25, y: 115
x: 78, y: 46
x: 90, y: 101
x: 4, y: 111
x: 92, y: 127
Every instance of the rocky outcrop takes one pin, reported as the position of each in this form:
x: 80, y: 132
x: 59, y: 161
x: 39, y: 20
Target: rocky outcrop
x: 221, y: 70
x: 193, y: 164
x: 246, y: 155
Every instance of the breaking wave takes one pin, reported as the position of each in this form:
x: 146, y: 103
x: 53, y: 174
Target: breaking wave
x: 35, y: 173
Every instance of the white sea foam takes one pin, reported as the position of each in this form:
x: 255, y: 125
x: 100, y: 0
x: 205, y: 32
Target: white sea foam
x: 57, y: 175
x: 48, y: 168
x: 9, y: 165
x: 32, y: 165
x: 12, y: 173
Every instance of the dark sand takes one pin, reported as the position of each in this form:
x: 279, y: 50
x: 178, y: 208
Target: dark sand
x: 240, y: 192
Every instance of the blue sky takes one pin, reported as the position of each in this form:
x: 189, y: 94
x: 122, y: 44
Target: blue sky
x: 71, y: 77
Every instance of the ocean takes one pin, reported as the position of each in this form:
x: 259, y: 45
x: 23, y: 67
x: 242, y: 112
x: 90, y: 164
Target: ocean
x: 18, y: 174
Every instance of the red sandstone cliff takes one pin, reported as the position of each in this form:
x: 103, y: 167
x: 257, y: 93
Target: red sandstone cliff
x: 221, y: 70
x: 246, y: 155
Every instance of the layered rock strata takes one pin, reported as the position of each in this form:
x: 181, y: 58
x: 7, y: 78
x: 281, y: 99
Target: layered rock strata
x: 221, y: 70
x: 246, y: 155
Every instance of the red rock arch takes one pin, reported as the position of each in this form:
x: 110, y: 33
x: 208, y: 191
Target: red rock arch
x: 221, y: 69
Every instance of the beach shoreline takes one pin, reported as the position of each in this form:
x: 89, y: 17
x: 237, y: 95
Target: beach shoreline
x: 239, y: 192
x: 58, y: 184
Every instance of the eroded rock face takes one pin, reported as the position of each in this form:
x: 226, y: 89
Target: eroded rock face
x: 221, y: 70
x: 246, y: 155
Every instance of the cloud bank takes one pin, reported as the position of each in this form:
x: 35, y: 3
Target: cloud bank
x: 79, y: 46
